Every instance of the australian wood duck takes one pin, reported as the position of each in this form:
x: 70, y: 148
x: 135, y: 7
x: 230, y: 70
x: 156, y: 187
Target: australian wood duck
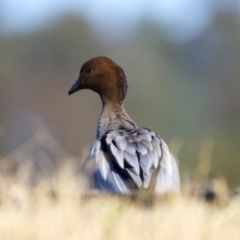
x: 126, y: 157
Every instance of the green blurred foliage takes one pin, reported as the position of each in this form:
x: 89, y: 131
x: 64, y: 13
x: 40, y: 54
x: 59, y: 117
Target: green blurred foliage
x: 190, y: 90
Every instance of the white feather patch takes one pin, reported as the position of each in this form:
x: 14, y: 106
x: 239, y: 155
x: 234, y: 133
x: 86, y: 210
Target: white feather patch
x: 168, y: 176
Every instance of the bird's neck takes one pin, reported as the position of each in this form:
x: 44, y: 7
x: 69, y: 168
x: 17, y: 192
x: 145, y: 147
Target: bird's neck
x: 113, y: 117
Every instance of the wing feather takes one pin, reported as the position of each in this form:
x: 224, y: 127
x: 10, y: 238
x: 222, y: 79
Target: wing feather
x: 135, y: 177
x: 121, y: 144
x: 145, y: 136
x: 103, y: 165
x: 168, y: 176
x: 117, y: 154
x: 147, y: 144
x: 147, y: 179
x: 120, y: 183
x: 123, y: 155
x: 154, y: 158
x: 146, y: 163
x: 141, y: 148
x: 133, y: 162
x: 156, y: 145
x: 130, y: 148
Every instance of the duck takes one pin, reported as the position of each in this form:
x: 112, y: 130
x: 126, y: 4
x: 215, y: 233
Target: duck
x: 126, y: 158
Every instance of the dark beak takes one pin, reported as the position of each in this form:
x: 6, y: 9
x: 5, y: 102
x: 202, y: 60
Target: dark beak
x: 76, y: 87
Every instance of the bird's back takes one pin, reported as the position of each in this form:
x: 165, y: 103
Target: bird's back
x: 132, y: 159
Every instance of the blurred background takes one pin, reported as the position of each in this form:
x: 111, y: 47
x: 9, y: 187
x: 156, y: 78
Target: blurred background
x: 181, y: 59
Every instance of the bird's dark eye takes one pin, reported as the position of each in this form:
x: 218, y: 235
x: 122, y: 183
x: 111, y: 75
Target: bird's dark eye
x: 88, y: 70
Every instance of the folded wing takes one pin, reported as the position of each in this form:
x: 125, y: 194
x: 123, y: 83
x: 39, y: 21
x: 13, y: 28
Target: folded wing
x: 127, y: 159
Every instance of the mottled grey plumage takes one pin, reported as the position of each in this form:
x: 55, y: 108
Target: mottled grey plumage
x: 125, y: 157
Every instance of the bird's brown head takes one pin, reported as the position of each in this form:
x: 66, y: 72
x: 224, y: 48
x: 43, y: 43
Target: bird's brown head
x: 104, y: 77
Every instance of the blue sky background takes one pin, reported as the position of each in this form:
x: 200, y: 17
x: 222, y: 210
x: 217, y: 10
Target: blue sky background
x: 184, y: 19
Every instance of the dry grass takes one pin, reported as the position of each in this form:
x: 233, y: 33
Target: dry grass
x: 56, y: 209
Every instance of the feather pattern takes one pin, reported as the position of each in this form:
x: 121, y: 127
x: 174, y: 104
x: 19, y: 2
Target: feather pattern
x: 127, y: 159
